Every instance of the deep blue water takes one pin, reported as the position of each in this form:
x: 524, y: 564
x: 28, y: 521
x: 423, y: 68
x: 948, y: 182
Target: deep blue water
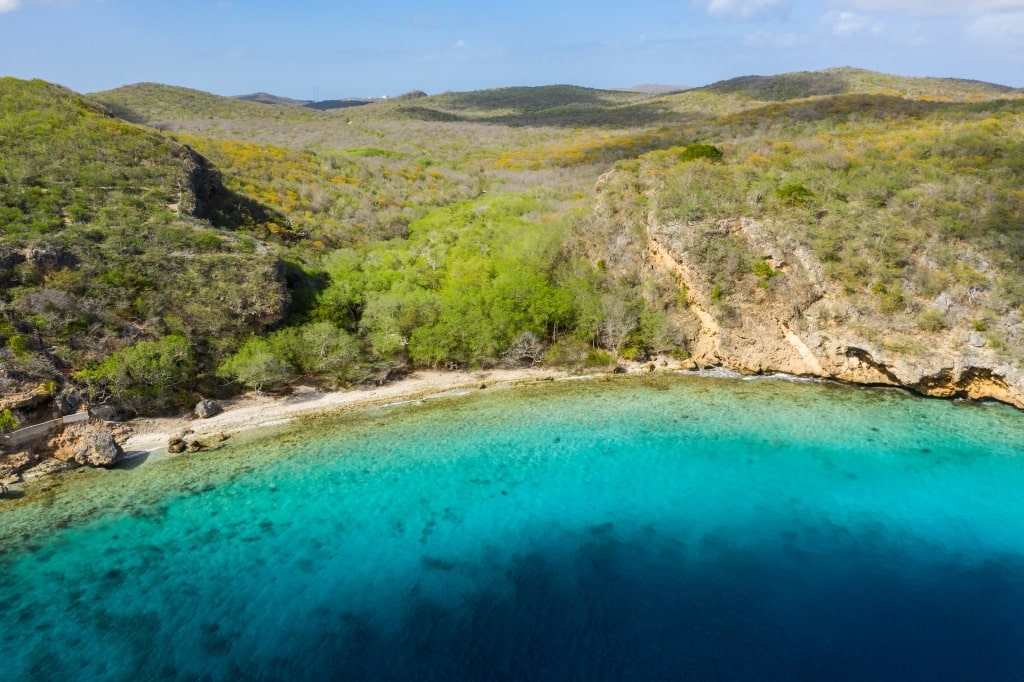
x: 657, y: 529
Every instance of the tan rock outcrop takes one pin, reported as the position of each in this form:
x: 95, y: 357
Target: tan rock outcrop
x: 12, y: 465
x: 796, y: 322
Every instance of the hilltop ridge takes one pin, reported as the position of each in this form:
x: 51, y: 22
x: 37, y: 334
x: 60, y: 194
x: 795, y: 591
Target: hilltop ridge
x: 848, y: 80
x: 321, y: 105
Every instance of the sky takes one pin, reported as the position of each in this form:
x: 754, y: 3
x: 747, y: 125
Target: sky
x: 312, y: 49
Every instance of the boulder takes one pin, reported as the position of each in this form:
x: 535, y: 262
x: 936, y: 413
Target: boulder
x: 99, y: 449
x: 69, y: 401
x: 176, y: 445
x: 107, y: 413
x: 207, y: 408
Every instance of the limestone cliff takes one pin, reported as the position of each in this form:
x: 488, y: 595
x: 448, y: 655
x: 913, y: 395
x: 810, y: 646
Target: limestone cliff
x: 778, y: 311
x: 795, y: 321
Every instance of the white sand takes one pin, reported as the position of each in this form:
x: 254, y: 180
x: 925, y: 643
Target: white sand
x: 255, y: 410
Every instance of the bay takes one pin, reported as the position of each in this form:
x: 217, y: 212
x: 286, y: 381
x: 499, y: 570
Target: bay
x: 633, y: 528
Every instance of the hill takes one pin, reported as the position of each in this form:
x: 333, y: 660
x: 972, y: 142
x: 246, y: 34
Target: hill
x: 869, y: 237
x: 153, y: 103
x: 840, y: 223
x: 106, y: 240
x: 321, y: 105
x: 267, y: 98
x: 552, y: 105
x: 656, y: 89
x: 846, y: 80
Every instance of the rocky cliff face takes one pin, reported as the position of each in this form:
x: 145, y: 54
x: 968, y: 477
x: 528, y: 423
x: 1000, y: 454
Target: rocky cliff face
x: 751, y: 298
x: 792, y: 319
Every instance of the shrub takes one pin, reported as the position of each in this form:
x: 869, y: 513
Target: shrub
x: 599, y: 358
x: 567, y: 352
x: 932, y: 320
x: 19, y: 345
x: 701, y: 151
x: 8, y: 422
x: 794, y: 194
x: 764, y: 271
x: 892, y: 302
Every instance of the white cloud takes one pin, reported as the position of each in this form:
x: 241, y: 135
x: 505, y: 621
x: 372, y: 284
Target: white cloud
x: 832, y: 27
x: 846, y: 24
x: 746, y: 9
x: 1000, y: 30
x: 774, y: 40
x: 932, y: 8
x: 12, y: 5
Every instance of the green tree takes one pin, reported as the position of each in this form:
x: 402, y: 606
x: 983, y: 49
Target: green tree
x: 319, y: 348
x: 257, y: 364
x: 151, y: 375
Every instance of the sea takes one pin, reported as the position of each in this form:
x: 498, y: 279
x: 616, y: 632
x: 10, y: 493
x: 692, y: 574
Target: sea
x: 666, y: 527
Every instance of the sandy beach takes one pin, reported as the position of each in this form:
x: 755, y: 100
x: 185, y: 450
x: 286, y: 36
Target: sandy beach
x: 254, y: 410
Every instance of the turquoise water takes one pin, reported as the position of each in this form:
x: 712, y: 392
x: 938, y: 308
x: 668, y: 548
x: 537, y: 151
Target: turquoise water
x: 663, y: 528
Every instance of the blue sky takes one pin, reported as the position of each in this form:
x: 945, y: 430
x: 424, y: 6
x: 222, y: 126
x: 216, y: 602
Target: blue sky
x: 302, y: 48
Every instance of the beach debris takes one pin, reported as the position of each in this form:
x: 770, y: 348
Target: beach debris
x: 206, y: 408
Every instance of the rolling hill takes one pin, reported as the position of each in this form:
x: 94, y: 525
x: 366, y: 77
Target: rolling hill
x: 106, y: 240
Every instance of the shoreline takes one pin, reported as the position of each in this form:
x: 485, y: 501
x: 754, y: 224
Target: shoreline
x: 141, y: 437
x: 253, y: 411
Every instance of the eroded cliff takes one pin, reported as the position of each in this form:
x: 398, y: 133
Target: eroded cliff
x: 750, y: 297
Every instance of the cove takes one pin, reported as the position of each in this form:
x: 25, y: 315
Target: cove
x: 636, y: 528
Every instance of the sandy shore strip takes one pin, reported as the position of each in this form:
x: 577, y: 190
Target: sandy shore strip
x: 254, y: 410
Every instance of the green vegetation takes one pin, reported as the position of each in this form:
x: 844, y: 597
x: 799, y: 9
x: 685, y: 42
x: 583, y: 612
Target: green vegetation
x: 230, y: 243
x: 101, y: 246
x: 316, y: 349
x: 8, y: 422
x: 146, y: 376
x: 153, y: 102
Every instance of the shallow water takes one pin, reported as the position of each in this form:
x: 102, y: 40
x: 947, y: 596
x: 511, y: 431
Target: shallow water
x: 662, y: 528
